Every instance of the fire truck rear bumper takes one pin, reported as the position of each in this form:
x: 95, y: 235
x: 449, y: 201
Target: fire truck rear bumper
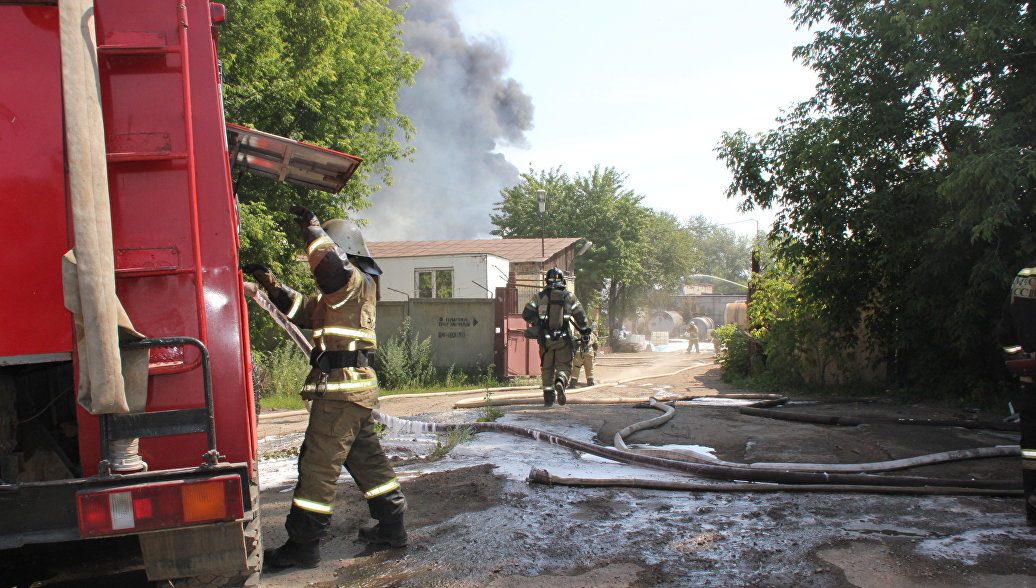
x: 46, y: 512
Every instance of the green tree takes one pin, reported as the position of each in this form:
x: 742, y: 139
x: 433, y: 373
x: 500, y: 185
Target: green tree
x: 328, y: 73
x: 669, y: 254
x: 640, y: 256
x: 597, y: 207
x: 905, y: 185
x: 724, y: 253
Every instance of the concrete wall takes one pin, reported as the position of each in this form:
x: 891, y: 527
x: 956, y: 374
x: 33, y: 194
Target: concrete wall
x: 475, y: 275
x: 461, y: 329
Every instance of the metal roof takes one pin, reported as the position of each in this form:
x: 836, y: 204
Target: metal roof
x: 513, y: 250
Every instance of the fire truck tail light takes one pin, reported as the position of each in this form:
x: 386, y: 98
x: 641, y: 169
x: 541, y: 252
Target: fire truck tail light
x: 120, y: 505
x: 143, y: 508
x: 159, y: 505
x: 204, y: 502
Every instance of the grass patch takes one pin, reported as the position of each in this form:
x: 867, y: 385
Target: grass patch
x: 445, y: 442
x: 489, y: 413
x: 279, y: 375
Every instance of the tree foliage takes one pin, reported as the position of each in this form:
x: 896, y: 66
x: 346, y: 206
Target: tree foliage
x: 636, y: 251
x: 904, y: 187
x: 724, y: 253
x: 597, y: 207
x: 327, y: 72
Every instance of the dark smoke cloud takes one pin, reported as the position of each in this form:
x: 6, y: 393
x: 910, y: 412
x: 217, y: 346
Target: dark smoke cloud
x: 462, y: 107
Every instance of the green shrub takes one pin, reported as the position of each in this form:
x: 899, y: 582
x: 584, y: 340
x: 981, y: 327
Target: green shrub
x: 280, y: 375
x: 733, y: 352
x: 405, y: 361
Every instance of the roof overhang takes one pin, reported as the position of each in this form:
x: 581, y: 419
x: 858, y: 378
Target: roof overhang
x: 288, y: 160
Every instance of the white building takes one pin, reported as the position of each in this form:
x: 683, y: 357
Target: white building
x: 464, y: 275
x: 466, y: 268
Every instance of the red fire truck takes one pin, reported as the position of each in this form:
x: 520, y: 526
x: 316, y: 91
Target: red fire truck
x: 178, y: 476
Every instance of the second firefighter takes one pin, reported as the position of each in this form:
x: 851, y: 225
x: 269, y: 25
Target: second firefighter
x: 551, y: 314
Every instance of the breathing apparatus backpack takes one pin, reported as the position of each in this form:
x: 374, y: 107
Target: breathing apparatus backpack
x: 556, y: 326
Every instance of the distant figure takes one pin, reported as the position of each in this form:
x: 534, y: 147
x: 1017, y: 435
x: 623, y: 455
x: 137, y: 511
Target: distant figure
x: 586, y: 351
x: 692, y: 337
x: 551, y: 314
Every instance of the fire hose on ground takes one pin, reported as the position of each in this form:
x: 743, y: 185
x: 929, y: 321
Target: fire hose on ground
x: 882, y: 466
x: 771, y: 480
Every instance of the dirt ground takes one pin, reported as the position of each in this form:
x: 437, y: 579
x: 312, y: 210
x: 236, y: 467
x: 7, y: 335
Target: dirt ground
x: 474, y: 520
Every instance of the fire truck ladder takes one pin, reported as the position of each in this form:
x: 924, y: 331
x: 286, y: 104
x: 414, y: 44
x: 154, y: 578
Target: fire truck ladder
x: 157, y: 147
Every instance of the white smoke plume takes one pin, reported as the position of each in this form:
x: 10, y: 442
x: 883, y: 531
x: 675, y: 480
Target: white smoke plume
x: 462, y: 107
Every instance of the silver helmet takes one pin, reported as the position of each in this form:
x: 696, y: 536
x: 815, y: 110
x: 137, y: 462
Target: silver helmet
x: 349, y: 239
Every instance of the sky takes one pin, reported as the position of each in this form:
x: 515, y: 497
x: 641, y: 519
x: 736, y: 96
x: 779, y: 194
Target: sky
x: 646, y: 87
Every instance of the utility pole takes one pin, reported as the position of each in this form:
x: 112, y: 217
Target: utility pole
x: 541, y: 195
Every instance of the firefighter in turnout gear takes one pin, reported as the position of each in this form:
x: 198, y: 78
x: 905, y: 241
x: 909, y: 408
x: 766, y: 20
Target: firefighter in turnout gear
x: 586, y: 351
x: 1016, y: 333
x: 692, y: 337
x: 343, y: 389
x: 551, y: 314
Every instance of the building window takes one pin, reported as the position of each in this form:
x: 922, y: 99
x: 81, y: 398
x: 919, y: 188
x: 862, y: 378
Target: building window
x: 434, y: 283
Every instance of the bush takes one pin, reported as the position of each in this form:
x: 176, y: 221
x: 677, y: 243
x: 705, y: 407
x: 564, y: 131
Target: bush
x: 405, y: 361
x: 280, y: 375
x: 733, y: 352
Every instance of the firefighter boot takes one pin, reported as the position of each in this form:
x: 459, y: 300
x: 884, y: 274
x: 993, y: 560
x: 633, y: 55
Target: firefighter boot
x: 302, y: 549
x: 548, y: 396
x: 559, y: 388
x: 388, y: 510
x: 590, y: 381
x: 292, y: 555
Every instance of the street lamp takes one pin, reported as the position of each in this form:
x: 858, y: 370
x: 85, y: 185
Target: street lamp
x: 541, y: 196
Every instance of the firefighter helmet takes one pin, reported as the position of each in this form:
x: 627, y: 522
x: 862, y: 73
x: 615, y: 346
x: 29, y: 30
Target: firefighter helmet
x: 555, y: 278
x: 349, y: 239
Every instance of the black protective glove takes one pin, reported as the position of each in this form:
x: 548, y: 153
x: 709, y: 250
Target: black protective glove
x: 304, y: 217
x: 260, y: 272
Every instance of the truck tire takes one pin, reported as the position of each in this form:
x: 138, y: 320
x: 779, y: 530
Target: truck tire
x: 243, y: 578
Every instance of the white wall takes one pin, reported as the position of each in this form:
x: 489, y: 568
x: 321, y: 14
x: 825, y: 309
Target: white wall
x: 489, y: 271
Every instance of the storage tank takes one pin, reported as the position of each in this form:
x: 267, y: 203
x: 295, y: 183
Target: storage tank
x: 737, y: 313
x: 706, y: 326
x: 666, y: 320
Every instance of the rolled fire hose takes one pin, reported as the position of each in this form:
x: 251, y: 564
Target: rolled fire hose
x: 881, y: 466
x: 796, y: 480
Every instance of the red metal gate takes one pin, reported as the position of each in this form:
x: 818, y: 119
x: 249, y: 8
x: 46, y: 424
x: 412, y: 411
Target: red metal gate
x: 513, y: 354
